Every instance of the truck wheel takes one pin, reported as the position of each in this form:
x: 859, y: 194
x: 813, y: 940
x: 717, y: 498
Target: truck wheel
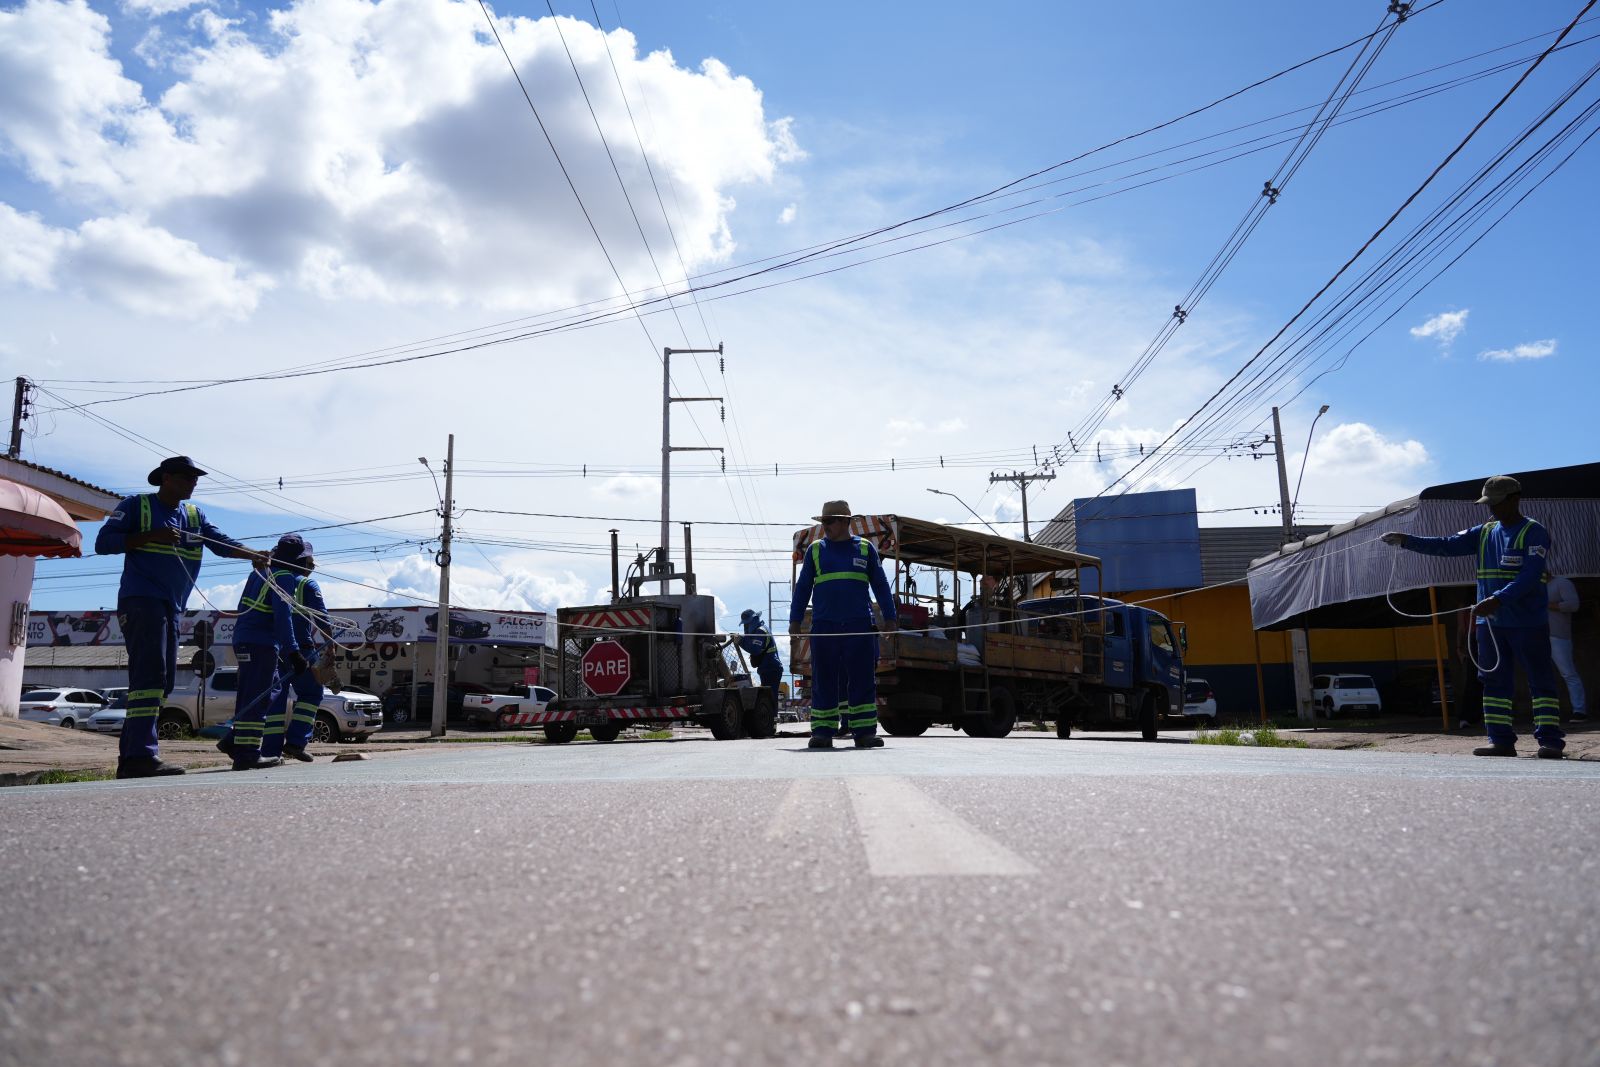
x: 761, y: 721
x: 1003, y: 716
x: 325, y: 729
x: 173, y: 725
x: 1148, y: 717
x: 901, y: 725
x: 559, y: 733
x: 609, y: 732
x: 503, y: 716
x: 1063, y: 728
x: 723, y: 714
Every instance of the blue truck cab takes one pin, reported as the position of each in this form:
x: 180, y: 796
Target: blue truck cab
x: 1139, y: 673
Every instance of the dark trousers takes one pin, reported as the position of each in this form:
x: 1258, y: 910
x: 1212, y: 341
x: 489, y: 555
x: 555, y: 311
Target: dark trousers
x: 260, y: 691
x: 770, y: 671
x: 844, y: 679
x: 1499, y: 653
x: 306, y: 693
x: 150, y: 633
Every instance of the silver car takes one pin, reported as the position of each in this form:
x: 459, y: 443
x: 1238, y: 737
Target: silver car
x: 60, y: 707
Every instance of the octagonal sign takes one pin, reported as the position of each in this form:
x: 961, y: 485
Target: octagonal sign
x: 606, y: 668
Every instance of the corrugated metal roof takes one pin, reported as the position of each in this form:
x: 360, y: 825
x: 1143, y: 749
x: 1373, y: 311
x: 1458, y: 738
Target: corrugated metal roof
x: 1226, y: 551
x: 63, y: 475
x: 42, y: 656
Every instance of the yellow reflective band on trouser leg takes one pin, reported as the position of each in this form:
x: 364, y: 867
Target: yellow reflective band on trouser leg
x: 143, y: 703
x: 304, y: 712
x: 828, y: 717
x: 246, y: 735
x: 274, y: 724
x: 863, y: 715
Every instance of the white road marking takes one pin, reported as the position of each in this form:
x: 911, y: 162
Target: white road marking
x: 806, y: 797
x: 908, y: 833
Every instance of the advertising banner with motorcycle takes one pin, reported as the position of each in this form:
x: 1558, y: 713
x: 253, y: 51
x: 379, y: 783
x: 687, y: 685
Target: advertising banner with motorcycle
x: 364, y: 626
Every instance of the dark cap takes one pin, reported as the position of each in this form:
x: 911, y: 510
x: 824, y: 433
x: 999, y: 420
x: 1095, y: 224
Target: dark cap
x: 292, y: 548
x: 1496, y: 489
x: 175, y: 465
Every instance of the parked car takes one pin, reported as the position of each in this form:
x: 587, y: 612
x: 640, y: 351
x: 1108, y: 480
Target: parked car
x: 340, y: 716
x: 493, y: 709
x: 1335, y: 693
x: 397, y: 701
x: 109, y: 720
x: 460, y: 629
x: 60, y: 707
x: 113, y: 693
x: 1199, y: 701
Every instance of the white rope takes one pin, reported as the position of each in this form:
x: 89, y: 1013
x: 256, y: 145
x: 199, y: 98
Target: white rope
x: 1472, y: 650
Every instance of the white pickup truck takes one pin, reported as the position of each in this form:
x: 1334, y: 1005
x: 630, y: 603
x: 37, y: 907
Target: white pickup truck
x: 351, y: 713
x: 507, y: 711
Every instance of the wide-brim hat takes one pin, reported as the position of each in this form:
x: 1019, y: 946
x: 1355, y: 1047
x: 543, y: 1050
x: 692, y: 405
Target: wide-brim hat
x: 174, y: 465
x: 1496, y: 489
x: 834, y: 509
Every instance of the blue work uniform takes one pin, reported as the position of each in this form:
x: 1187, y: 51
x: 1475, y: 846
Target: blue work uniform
x: 834, y: 579
x: 763, y: 652
x: 1511, y: 568
x: 263, y: 633
x: 156, y: 583
x: 303, y: 686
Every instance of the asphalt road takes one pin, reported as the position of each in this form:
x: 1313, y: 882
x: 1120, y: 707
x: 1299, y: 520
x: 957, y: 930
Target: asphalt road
x: 944, y: 900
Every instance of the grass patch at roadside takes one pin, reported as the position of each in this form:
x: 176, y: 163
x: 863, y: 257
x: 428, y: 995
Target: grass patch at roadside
x: 61, y: 777
x: 657, y: 735
x: 1260, y: 737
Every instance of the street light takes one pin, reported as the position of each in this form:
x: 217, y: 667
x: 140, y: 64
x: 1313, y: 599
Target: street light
x: 436, y: 491
x: 964, y: 504
x: 1294, y: 505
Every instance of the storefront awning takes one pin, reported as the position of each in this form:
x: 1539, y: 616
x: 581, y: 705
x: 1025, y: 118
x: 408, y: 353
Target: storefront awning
x: 31, y: 524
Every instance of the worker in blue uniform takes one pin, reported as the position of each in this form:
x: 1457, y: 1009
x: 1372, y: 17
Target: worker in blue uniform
x: 1512, y: 621
x: 289, y: 740
x: 758, y: 644
x: 835, y: 574
x: 163, y: 537
x: 262, y: 635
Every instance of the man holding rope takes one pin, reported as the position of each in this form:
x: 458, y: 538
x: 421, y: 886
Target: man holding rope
x: 263, y: 635
x: 308, y: 609
x: 1512, y: 551
x: 163, y: 538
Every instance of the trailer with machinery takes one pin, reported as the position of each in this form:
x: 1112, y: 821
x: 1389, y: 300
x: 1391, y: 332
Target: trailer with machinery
x: 652, y: 659
x: 977, y: 654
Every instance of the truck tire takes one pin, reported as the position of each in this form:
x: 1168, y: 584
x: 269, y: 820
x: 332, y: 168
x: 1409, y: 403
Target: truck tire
x: 325, y: 729
x: 761, y: 721
x: 1063, y: 728
x: 559, y: 733
x: 1149, y: 717
x: 609, y: 732
x: 173, y: 725
x: 723, y: 713
x: 902, y: 725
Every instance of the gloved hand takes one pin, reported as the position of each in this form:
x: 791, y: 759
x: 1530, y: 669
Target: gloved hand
x: 1393, y: 538
x: 298, y: 661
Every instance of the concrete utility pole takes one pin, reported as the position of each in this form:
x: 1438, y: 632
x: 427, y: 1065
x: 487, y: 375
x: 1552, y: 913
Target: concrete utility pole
x: 19, y: 411
x: 1300, y: 648
x: 1022, y: 480
x: 441, y: 655
x: 663, y: 565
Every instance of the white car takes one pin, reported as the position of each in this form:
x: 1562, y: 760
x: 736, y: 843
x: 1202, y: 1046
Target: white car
x: 1199, y: 702
x: 1335, y: 693
x: 60, y: 707
x: 351, y: 713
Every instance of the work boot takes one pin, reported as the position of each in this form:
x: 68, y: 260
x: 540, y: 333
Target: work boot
x: 146, y: 768
x: 256, y: 763
x: 818, y: 742
x: 869, y: 742
x: 1551, y: 753
x: 296, y: 752
x: 1495, y: 750
x: 225, y: 744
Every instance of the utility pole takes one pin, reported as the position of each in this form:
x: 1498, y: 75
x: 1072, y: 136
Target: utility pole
x: 663, y: 565
x: 19, y: 411
x: 441, y: 654
x: 1022, y: 480
x: 1300, y: 648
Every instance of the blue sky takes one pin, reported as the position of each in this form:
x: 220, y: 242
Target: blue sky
x: 221, y: 189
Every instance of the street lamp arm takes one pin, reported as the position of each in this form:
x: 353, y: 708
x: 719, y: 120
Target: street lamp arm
x: 964, y: 504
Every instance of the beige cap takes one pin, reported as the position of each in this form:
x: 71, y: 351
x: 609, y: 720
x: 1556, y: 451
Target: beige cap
x: 1499, y: 487
x: 834, y: 507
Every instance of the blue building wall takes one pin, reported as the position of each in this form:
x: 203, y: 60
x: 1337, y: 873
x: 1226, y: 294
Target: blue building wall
x: 1144, y: 540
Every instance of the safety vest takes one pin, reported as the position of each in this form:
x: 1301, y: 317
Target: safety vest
x: 191, y: 516
x: 262, y: 601
x: 1519, y: 545
x: 833, y: 576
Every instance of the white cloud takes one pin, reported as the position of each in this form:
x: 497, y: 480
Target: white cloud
x: 381, y: 150
x: 787, y: 215
x: 28, y: 248
x: 627, y: 486
x: 159, y: 7
x: 1517, y: 353
x: 1444, y: 327
x: 1354, y: 447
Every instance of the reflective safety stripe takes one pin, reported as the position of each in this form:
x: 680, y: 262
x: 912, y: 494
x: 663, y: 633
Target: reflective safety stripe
x: 262, y: 601
x: 831, y: 576
x: 191, y: 514
x: 141, y: 713
x: 1547, y: 720
x: 143, y: 694
x: 1496, y: 720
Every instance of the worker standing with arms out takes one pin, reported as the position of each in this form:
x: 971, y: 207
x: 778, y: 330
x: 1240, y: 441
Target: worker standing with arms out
x: 263, y: 634
x: 304, y: 688
x: 1511, y: 612
x: 1563, y: 605
x: 163, y: 538
x: 844, y: 649
x: 761, y: 648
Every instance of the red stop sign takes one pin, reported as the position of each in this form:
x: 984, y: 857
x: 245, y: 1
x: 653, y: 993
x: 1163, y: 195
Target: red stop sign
x: 606, y: 668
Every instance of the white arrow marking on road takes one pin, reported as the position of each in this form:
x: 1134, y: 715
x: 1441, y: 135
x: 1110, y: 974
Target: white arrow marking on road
x: 907, y: 833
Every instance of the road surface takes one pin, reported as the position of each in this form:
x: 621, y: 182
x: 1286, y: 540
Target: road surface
x: 945, y: 900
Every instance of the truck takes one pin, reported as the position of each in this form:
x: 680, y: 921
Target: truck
x: 507, y: 710
x: 652, y: 659
x: 978, y: 653
x: 350, y: 714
